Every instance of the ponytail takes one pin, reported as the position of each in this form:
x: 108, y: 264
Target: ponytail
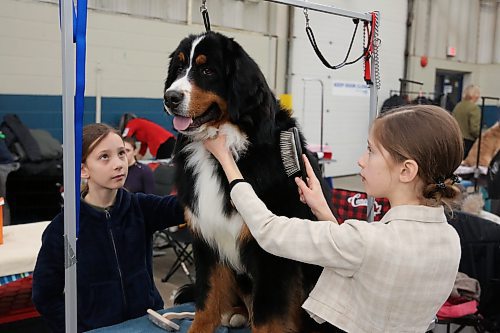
x: 443, y: 192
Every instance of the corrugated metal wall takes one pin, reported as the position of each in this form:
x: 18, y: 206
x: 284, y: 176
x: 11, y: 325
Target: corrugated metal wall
x: 235, y: 14
x: 467, y: 25
x: 472, y: 27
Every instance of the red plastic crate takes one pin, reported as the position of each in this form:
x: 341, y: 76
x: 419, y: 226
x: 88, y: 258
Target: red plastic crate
x: 15, y: 301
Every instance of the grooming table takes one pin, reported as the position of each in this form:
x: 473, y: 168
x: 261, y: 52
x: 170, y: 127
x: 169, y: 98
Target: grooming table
x: 144, y: 325
x: 18, y: 255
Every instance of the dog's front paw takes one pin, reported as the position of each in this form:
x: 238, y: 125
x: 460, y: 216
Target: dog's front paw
x: 237, y: 317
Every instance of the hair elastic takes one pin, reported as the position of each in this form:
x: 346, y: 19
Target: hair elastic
x: 440, y: 181
x: 454, y: 179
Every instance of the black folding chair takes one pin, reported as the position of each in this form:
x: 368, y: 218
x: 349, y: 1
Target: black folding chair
x: 164, y: 177
x: 480, y: 243
x: 180, y: 242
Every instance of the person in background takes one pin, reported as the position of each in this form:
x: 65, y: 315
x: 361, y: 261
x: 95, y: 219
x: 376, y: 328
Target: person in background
x: 114, y: 246
x: 468, y: 115
x: 390, y: 276
x: 161, y: 143
x: 140, y: 177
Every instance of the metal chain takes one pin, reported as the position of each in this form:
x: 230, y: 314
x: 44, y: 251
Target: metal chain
x: 204, y: 14
x: 306, y: 14
x: 376, y: 43
x: 203, y: 7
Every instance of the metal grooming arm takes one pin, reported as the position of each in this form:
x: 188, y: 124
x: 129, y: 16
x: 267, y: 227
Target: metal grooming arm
x: 324, y: 9
x: 374, y: 58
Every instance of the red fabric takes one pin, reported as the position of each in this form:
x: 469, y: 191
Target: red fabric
x: 153, y: 165
x: 148, y: 133
x: 15, y: 301
x: 456, y: 308
x: 352, y: 205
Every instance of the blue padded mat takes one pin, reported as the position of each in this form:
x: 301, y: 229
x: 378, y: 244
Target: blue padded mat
x: 144, y: 325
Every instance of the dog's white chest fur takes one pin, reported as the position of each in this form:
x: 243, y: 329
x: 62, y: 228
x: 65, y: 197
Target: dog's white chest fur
x: 220, y: 231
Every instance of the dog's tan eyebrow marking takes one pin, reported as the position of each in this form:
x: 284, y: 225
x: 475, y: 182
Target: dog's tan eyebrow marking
x: 201, y: 59
x: 181, y: 56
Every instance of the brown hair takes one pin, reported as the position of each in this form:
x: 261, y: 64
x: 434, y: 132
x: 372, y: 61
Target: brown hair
x: 430, y: 136
x: 131, y: 141
x: 92, y: 135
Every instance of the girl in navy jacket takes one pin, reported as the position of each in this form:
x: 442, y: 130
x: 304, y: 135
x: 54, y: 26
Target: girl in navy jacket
x: 114, y: 246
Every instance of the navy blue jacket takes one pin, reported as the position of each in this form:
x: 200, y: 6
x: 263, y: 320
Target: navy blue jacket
x: 114, y: 269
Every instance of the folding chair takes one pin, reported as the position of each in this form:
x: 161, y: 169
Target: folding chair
x: 480, y: 243
x: 180, y: 241
x: 475, y: 321
x: 164, y: 177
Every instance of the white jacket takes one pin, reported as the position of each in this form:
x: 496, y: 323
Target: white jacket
x: 387, y: 276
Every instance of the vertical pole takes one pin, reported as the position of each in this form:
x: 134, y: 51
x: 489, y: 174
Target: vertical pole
x: 370, y: 214
x: 189, y: 10
x: 68, y: 92
x: 476, y: 170
x: 322, y: 113
x: 98, y: 96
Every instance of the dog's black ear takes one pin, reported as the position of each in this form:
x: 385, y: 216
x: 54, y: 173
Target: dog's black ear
x: 251, y: 103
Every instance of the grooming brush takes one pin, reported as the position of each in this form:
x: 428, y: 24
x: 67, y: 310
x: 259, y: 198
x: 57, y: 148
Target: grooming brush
x: 164, y: 321
x: 291, y: 153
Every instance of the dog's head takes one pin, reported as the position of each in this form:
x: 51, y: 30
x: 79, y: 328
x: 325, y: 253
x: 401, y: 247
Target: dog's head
x: 211, y: 81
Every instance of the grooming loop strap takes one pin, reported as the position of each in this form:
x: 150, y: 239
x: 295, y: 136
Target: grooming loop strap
x: 204, y: 14
x: 367, y: 50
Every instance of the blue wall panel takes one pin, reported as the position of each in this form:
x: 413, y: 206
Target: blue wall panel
x: 45, y: 112
x: 491, y: 115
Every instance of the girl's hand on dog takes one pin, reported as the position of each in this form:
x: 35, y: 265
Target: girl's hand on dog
x: 217, y: 146
x: 312, y: 194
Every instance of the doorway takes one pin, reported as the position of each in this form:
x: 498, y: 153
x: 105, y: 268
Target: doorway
x: 448, y: 88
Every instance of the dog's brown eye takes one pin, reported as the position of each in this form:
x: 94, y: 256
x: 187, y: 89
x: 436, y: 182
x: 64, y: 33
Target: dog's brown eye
x: 207, y: 71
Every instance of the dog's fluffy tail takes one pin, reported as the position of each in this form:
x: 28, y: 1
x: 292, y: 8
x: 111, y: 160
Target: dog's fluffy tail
x: 185, y: 294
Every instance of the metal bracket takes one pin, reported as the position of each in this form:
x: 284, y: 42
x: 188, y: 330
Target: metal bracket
x: 69, y: 254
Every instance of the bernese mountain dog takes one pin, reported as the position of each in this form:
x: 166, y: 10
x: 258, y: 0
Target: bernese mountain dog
x: 214, y: 85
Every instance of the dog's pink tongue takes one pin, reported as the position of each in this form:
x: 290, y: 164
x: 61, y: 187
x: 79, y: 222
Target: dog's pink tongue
x: 181, y: 123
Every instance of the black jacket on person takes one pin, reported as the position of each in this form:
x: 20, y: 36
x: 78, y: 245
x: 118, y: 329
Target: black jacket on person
x: 114, y: 269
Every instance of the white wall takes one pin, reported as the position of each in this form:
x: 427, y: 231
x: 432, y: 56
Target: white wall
x: 131, y: 52
x: 346, y: 117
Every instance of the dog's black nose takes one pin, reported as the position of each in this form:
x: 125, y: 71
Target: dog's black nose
x: 173, y: 99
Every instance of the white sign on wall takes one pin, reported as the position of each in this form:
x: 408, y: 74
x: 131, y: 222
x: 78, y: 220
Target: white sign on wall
x: 350, y: 88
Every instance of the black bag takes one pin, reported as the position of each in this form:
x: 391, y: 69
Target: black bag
x: 5, y: 154
x: 494, y: 177
x: 19, y: 139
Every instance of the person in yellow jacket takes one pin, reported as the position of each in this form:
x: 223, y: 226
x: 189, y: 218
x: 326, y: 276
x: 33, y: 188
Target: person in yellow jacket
x: 468, y: 115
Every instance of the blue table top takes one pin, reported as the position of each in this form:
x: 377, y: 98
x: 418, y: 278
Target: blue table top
x: 144, y: 325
